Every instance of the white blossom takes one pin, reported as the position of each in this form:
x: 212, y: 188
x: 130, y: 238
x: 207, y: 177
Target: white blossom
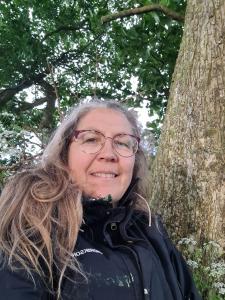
x: 220, y: 286
x: 187, y: 241
x: 193, y: 264
x: 217, y: 269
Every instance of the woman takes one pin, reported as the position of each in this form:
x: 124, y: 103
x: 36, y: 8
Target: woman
x: 78, y: 226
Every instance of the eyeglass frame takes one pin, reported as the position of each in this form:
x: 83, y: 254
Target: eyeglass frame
x: 77, y: 132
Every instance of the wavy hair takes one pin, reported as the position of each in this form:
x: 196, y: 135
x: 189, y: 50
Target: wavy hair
x: 41, y: 211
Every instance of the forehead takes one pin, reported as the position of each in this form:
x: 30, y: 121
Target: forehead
x: 105, y: 120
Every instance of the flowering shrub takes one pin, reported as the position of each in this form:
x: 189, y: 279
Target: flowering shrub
x: 208, y: 266
x: 19, y: 148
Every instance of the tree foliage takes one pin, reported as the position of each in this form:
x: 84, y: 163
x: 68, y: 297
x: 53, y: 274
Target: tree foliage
x: 54, y: 53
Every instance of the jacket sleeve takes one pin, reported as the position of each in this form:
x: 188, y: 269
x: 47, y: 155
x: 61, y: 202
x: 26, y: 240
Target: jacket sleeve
x: 18, y: 285
x: 184, y: 275
x: 181, y: 268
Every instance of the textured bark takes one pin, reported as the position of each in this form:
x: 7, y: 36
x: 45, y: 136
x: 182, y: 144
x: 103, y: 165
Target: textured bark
x: 188, y: 173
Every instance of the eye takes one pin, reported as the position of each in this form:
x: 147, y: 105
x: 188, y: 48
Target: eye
x: 122, y: 144
x: 90, y: 138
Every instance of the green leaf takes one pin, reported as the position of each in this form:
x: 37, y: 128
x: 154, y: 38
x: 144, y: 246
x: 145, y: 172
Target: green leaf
x: 165, y: 2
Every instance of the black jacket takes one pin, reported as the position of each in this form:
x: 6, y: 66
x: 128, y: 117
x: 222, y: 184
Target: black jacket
x: 122, y: 257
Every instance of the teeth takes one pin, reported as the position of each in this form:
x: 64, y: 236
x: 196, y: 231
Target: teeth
x: 105, y: 175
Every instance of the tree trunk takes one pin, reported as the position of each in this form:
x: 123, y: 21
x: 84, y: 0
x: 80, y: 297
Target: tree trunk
x: 188, y: 172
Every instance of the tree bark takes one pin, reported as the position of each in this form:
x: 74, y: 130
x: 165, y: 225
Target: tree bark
x: 188, y: 172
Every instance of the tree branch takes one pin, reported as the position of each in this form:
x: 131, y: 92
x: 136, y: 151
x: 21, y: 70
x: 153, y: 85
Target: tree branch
x: 28, y: 105
x: 65, y: 28
x: 49, y: 90
x: 8, y: 93
x: 141, y: 10
x: 51, y: 69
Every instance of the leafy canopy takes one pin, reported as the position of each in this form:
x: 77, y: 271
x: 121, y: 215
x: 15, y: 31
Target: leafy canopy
x: 54, y: 53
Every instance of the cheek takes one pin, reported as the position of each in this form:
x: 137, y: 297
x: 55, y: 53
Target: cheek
x: 77, y: 164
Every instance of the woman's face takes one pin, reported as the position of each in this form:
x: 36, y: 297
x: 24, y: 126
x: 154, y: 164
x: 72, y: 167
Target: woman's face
x: 106, y: 172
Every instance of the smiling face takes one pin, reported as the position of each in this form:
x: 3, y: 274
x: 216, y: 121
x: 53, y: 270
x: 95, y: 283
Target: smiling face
x: 106, y: 172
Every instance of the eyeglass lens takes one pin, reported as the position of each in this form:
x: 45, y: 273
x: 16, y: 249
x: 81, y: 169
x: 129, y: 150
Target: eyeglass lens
x: 92, y: 141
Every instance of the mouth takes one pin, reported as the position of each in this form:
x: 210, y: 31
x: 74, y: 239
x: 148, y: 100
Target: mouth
x: 104, y: 174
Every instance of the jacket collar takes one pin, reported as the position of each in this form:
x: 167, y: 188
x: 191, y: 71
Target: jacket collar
x: 101, y: 210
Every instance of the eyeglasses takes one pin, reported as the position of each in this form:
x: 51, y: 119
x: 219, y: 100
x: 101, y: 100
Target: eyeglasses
x: 92, y: 141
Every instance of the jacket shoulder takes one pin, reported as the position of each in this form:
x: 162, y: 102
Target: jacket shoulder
x: 18, y: 284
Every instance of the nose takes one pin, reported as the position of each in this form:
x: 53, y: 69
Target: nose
x: 107, y: 151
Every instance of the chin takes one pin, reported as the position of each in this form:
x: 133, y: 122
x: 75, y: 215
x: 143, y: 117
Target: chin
x: 104, y: 194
